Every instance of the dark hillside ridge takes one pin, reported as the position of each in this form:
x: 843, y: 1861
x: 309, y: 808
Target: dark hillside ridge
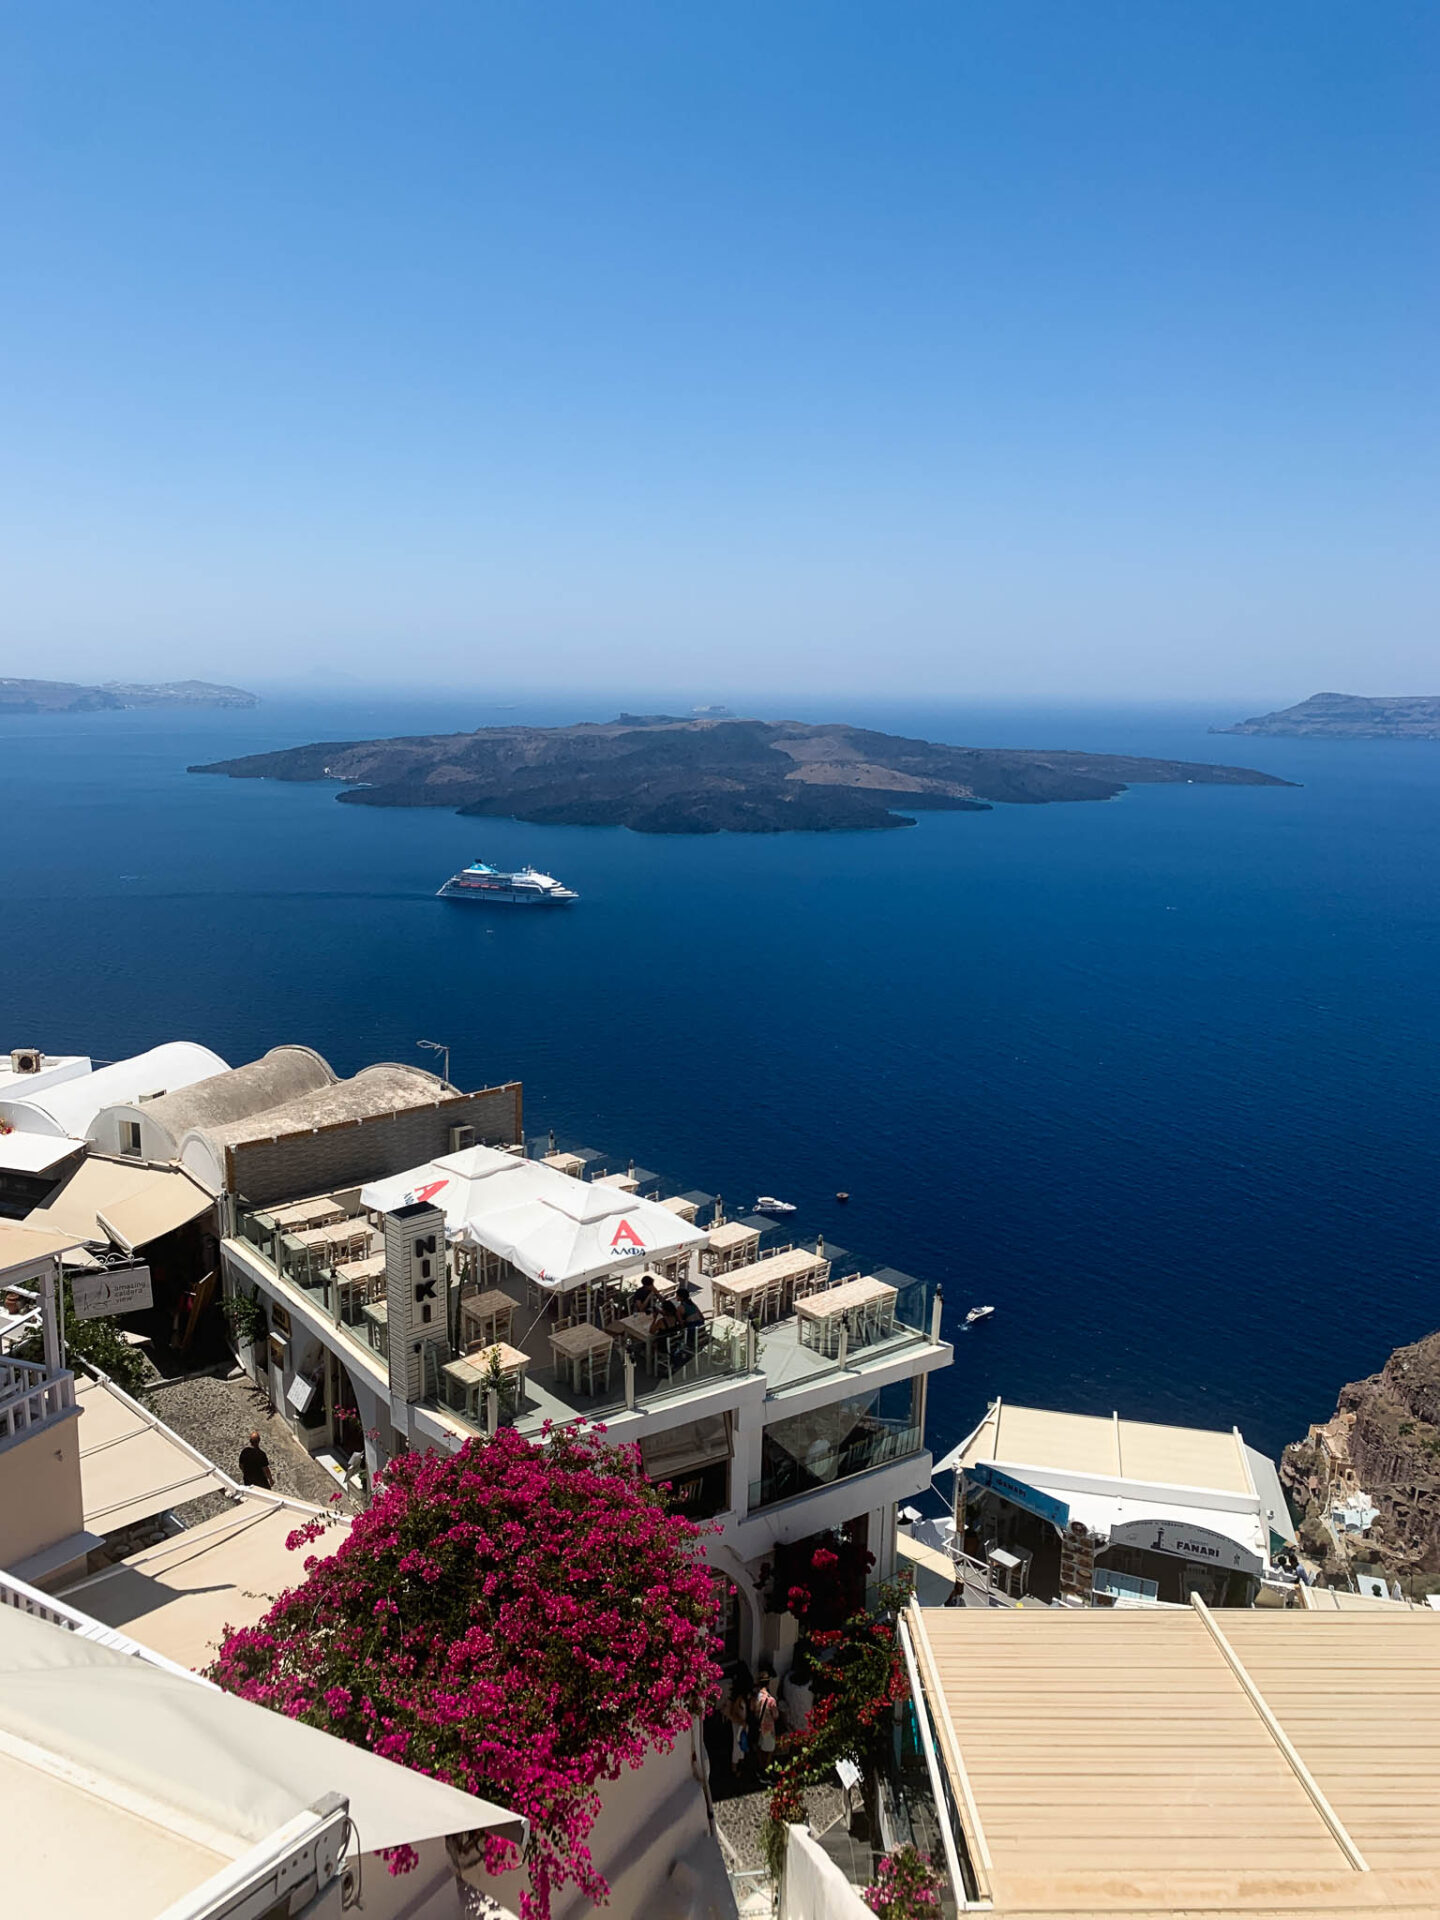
x: 658, y: 775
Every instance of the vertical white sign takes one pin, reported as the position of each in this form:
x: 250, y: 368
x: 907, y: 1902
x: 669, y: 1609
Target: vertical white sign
x: 415, y: 1295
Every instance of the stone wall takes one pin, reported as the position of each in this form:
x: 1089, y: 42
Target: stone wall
x: 294, y: 1165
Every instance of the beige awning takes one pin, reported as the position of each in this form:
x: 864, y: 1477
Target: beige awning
x: 180, y: 1595
x: 26, y: 1246
x: 131, y: 1205
x: 1258, y: 1761
x: 130, y: 1465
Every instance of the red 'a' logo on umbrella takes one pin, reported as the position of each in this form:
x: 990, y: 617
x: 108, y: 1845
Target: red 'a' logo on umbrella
x: 422, y: 1194
x: 626, y: 1232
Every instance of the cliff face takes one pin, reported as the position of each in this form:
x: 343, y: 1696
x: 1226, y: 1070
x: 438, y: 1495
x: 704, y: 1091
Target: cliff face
x: 1385, y: 1439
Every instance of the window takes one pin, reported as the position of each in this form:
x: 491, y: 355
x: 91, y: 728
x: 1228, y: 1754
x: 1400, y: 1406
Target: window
x: 835, y: 1441
x: 130, y: 1137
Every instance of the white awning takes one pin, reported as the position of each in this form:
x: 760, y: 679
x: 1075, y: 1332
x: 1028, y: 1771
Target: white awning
x: 35, y: 1152
x: 558, y: 1230
x: 209, y: 1758
x: 29, y: 1247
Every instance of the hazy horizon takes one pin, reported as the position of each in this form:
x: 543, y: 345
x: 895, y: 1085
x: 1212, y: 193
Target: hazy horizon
x: 1014, y: 354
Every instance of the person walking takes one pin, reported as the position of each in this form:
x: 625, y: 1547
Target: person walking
x: 737, y: 1712
x: 255, y: 1464
x: 767, y: 1715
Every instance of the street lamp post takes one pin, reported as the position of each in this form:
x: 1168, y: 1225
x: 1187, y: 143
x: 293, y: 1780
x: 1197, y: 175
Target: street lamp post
x: 438, y: 1046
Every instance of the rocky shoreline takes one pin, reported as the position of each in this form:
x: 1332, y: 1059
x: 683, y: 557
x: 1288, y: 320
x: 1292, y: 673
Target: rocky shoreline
x: 1380, y: 1449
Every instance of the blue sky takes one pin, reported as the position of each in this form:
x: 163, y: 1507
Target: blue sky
x: 1009, y: 350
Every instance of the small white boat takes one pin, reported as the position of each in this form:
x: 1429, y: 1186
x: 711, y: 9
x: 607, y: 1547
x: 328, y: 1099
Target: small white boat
x: 767, y: 1203
x: 978, y: 1313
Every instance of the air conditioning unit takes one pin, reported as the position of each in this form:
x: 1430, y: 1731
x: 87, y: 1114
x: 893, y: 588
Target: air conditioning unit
x: 460, y: 1138
x: 26, y: 1060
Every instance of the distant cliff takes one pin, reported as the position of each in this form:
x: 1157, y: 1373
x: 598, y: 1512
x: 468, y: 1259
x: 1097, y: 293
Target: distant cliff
x: 660, y: 775
x: 1350, y: 716
x: 61, y: 696
x: 1384, y: 1440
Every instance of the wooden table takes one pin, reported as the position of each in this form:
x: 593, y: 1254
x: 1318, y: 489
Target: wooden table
x: 865, y: 1308
x: 490, y: 1314
x: 359, y: 1277
x: 472, y: 1374
x: 308, y: 1213
x: 637, y: 1326
x: 767, y: 1289
x: 577, y: 1348
x: 355, y: 1237
x: 659, y: 1283
x: 730, y: 1245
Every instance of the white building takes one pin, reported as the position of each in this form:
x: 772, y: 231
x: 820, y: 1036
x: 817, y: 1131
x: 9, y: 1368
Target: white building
x: 1075, y: 1504
x: 153, y: 1127
x: 88, y: 1476
x: 66, y: 1107
x: 794, y: 1407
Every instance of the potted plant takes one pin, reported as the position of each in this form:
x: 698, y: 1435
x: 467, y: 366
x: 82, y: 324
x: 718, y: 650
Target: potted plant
x: 246, y: 1318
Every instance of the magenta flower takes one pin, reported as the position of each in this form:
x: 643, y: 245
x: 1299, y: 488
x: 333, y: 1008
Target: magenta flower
x: 522, y: 1619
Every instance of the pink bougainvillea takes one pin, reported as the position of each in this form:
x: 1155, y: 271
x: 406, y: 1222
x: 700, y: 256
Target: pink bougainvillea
x: 521, y: 1619
x: 906, y: 1887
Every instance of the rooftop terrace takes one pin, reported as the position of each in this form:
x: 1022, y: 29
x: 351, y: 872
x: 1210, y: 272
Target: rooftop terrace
x: 636, y: 1336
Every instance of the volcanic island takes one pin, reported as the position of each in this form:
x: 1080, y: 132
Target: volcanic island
x: 657, y: 774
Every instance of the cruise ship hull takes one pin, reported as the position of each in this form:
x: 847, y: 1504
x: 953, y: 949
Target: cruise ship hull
x: 499, y: 893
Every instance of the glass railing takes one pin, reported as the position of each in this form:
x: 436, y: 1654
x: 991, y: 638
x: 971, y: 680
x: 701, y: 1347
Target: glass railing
x: 787, y: 1477
x: 309, y: 1268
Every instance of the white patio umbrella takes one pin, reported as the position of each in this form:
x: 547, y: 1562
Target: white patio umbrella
x: 558, y: 1230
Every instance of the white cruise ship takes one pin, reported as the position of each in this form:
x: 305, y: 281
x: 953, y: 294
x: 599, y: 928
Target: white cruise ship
x: 527, y: 888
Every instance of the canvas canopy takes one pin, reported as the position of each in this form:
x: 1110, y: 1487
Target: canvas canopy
x: 132, y: 1466
x: 207, y: 1759
x: 180, y: 1595
x: 26, y: 1248
x: 36, y: 1152
x: 116, y: 1200
x: 556, y: 1229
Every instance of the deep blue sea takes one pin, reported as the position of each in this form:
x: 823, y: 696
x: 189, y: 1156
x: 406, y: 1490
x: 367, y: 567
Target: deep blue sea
x: 1156, y: 1077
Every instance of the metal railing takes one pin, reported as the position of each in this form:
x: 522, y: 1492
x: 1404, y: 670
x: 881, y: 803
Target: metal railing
x: 19, y: 1594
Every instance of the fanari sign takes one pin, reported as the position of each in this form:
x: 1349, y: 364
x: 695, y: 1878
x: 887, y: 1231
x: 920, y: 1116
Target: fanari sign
x: 1187, y: 1543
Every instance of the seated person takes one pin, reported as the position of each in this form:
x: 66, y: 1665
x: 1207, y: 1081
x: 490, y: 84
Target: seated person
x: 690, y: 1314
x: 646, y: 1299
x: 668, y: 1318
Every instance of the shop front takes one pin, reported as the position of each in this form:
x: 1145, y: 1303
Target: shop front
x: 1014, y: 1530
x: 1168, y: 1560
